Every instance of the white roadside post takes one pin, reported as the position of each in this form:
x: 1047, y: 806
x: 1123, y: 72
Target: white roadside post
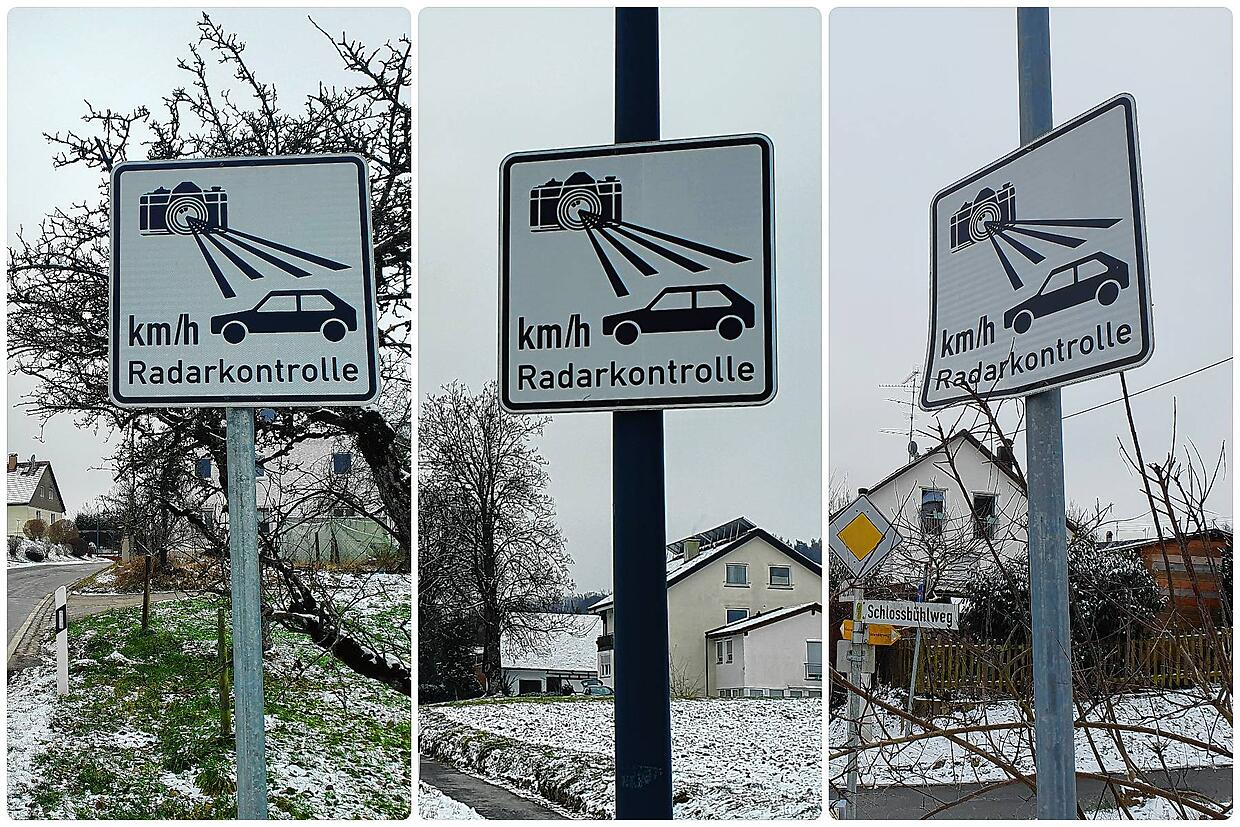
x: 62, y: 641
x: 860, y: 537
x: 215, y: 291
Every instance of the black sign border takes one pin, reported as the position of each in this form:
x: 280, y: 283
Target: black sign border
x: 246, y: 400
x: 1128, y: 103
x: 762, y: 397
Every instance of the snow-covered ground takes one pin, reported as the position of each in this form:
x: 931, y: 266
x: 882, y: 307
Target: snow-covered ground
x: 731, y: 757
x: 136, y: 736
x: 937, y: 760
x: 434, y: 805
x: 51, y: 553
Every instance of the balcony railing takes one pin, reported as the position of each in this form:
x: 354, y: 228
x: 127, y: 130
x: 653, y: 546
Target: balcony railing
x: 813, y: 671
x: 605, y: 643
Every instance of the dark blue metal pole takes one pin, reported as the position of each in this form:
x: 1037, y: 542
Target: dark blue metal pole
x: 1048, y: 541
x: 639, y: 532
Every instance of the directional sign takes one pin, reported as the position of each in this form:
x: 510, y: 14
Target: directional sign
x: 242, y: 282
x: 876, y: 634
x: 861, y: 536
x: 638, y: 276
x: 903, y: 613
x: 1038, y: 274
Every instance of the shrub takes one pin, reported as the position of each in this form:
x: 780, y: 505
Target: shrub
x: 15, y: 544
x: 34, y: 529
x: 35, y: 555
x: 62, y: 532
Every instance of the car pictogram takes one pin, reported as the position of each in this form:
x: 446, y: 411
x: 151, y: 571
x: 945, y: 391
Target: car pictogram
x: 695, y: 307
x: 290, y: 311
x: 1099, y: 276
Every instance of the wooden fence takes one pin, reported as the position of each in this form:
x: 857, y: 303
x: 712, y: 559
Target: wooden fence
x: 949, y: 667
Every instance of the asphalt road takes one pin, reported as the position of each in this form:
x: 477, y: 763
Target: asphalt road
x: 28, y: 585
x: 490, y: 801
x: 1015, y: 801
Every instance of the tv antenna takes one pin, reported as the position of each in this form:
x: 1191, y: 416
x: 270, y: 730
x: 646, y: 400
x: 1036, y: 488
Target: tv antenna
x: 909, y: 384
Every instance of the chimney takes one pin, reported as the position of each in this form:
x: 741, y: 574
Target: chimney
x: 862, y: 492
x: 690, y: 548
x: 1006, y: 458
x: 12, y: 463
x: 1109, y: 536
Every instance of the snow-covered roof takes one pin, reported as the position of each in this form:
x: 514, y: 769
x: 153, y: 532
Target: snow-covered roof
x: 678, y: 568
x: 763, y: 619
x: 22, y: 483
x: 572, y: 647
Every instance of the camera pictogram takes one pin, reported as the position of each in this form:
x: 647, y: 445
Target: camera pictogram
x: 977, y: 219
x: 162, y: 212
x: 584, y: 203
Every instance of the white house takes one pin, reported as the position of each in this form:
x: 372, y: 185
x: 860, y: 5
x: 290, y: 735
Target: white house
x: 717, y: 577
x: 952, y: 504
x: 32, y: 494
x: 565, y: 655
x: 775, y: 654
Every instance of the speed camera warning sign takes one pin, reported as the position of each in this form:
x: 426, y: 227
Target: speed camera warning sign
x: 242, y: 282
x: 1038, y: 273
x: 638, y: 276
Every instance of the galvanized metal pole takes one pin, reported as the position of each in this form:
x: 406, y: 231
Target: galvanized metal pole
x: 1048, y: 542
x: 247, y: 620
x: 912, y: 681
x: 856, y: 655
x: 643, y: 715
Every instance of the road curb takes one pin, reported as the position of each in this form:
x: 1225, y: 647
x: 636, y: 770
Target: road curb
x: 25, y: 628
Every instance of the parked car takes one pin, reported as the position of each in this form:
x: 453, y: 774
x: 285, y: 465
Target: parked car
x: 600, y: 691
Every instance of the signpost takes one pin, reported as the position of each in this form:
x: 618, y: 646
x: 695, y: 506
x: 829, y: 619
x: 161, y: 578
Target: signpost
x: 860, y: 536
x: 1038, y: 278
x: 638, y: 275
x: 243, y: 283
x: 876, y: 634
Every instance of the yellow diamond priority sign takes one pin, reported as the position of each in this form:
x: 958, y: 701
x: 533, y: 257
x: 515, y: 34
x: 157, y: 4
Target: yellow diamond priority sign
x: 861, y: 536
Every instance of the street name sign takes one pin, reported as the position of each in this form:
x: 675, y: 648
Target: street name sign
x: 638, y: 276
x: 861, y: 536
x: 906, y: 613
x: 242, y: 282
x: 1038, y: 273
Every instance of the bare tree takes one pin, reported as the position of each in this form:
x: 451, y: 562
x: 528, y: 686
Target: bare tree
x: 491, y: 514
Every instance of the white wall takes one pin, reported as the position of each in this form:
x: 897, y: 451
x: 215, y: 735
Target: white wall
x: 770, y: 656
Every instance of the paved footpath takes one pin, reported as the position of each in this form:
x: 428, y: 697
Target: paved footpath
x: 490, y: 801
x: 25, y: 652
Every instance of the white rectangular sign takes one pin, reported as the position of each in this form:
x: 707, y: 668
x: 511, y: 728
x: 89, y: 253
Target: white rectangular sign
x: 638, y: 276
x: 1038, y: 274
x: 242, y: 282
x: 905, y: 613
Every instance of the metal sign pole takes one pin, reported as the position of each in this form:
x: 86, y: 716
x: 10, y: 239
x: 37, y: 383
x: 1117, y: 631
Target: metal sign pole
x: 246, y: 617
x: 62, y: 641
x: 643, y: 715
x: 1048, y: 563
x: 856, y: 654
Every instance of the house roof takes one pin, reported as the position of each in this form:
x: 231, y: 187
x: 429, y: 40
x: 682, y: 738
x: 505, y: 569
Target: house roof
x: 572, y: 647
x: 22, y: 483
x: 678, y: 568
x: 1220, y: 534
x: 763, y: 619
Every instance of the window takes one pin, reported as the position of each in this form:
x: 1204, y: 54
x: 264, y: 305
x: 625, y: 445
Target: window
x: 278, y: 304
x: 736, y: 614
x: 604, y: 664
x: 674, y: 301
x: 315, y: 301
x: 1089, y: 268
x: 728, y: 650
x: 776, y: 693
x: 933, y: 510
x: 757, y: 693
x: 712, y: 298
x: 737, y: 574
x: 718, y: 651
x: 813, y: 660
x: 208, y: 517
x: 1058, y: 280
x: 984, y: 516
x: 781, y: 576
x: 794, y: 693
x: 813, y: 693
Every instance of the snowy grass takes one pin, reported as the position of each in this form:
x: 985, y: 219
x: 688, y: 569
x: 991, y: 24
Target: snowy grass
x: 138, y: 735
x: 937, y: 760
x: 434, y: 805
x: 731, y: 758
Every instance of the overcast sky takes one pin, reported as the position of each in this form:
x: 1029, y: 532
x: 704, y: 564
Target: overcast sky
x: 919, y: 99
x: 124, y: 58
x: 492, y: 82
